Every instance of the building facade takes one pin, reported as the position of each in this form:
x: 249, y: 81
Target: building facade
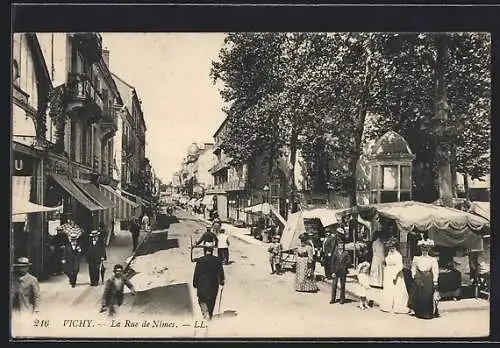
x: 31, y: 85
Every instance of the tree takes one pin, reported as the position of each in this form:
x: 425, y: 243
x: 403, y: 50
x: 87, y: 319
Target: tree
x: 408, y: 108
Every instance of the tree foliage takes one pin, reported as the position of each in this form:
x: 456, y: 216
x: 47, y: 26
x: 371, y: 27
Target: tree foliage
x: 313, y: 91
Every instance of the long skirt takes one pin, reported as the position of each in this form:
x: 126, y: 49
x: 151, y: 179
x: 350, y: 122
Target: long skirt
x: 304, y: 276
x: 394, y: 295
x: 421, y: 296
x: 377, y: 272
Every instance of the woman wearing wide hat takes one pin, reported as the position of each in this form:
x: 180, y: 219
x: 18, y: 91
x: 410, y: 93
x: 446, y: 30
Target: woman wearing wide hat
x: 304, y: 270
x: 394, y: 293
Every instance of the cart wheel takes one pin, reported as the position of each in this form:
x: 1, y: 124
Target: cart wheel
x: 191, y: 248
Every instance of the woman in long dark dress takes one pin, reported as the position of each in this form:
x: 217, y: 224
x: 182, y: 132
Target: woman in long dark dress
x: 425, y: 273
x: 304, y: 272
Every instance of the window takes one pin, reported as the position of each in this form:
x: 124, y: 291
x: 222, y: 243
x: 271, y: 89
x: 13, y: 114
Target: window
x: 390, y: 178
x: 405, y: 177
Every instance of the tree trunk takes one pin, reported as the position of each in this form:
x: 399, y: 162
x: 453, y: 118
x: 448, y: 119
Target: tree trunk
x: 293, y: 158
x: 444, y: 171
x: 466, y: 186
x: 453, y: 169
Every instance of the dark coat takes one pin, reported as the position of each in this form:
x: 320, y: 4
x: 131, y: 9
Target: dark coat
x: 331, y: 244
x: 95, y: 252
x: 72, y: 258
x: 208, y: 237
x: 135, y: 228
x: 208, y: 275
x: 340, y: 262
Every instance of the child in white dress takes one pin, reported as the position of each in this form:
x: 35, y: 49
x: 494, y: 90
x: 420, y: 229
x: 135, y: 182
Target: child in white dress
x: 363, y: 274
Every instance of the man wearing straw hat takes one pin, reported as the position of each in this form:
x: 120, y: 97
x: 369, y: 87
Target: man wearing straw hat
x: 96, y: 254
x: 71, y: 256
x: 25, y: 289
x: 208, y: 275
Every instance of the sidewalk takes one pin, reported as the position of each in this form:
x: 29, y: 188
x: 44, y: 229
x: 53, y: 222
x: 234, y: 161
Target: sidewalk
x: 56, y: 289
x: 353, y: 289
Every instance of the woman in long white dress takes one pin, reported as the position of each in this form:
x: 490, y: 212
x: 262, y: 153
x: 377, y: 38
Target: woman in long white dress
x: 394, y: 293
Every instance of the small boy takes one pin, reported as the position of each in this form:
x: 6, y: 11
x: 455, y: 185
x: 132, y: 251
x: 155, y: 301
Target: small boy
x: 112, y: 297
x: 363, y: 273
x: 275, y: 253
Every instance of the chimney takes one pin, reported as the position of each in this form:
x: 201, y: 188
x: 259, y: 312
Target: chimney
x: 105, y: 56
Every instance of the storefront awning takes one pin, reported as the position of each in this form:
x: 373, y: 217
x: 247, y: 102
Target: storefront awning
x: 70, y: 187
x: 95, y: 194
x: 20, y: 207
x: 21, y: 204
x: 126, y: 208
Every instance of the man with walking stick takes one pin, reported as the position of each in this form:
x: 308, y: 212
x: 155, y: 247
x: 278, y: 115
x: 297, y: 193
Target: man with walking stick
x: 208, y: 275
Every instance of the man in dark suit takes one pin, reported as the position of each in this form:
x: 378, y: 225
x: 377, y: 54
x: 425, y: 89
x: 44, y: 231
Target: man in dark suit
x: 208, y: 237
x: 135, y: 229
x: 329, y: 246
x: 71, y: 257
x: 96, y: 254
x: 341, y: 260
x: 208, y: 275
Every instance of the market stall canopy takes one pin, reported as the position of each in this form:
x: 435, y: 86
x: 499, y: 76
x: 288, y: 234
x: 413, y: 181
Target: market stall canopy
x: 208, y: 200
x: 327, y: 216
x: 264, y: 208
x: 482, y: 209
x: 448, y: 227
x: 294, y: 227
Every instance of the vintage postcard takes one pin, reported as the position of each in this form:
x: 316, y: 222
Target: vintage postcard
x: 250, y: 185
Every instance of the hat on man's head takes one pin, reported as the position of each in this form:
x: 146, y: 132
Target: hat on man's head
x: 94, y: 233
x: 117, y: 267
x: 22, y: 262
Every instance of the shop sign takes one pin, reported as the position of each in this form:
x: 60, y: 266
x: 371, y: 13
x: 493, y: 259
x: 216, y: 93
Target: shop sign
x: 22, y: 164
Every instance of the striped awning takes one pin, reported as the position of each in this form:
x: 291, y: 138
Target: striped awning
x: 126, y: 209
x: 70, y: 187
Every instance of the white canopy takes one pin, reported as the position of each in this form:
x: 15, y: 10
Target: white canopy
x: 327, y: 216
x: 20, y: 207
x: 264, y: 208
x: 482, y: 209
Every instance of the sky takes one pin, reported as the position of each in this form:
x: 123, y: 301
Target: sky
x: 170, y: 72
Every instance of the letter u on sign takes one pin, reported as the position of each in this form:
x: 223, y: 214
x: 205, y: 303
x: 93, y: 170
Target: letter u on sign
x: 18, y: 164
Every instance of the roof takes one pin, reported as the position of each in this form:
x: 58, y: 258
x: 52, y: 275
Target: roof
x: 391, y: 143
x: 126, y: 88
x: 221, y: 126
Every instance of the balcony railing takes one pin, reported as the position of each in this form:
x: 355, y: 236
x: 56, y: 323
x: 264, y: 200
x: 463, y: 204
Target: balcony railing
x: 223, y: 164
x: 81, y: 89
x: 90, y: 44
